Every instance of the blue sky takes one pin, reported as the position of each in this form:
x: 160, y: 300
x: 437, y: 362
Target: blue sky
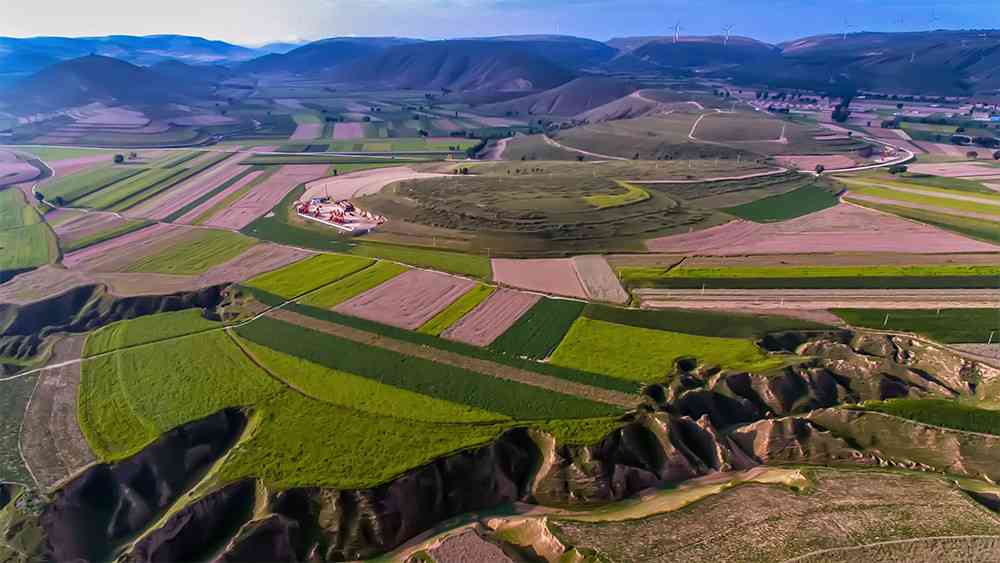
x: 258, y: 21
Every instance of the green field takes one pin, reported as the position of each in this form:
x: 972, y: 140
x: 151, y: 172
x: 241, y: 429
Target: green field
x: 701, y: 323
x: 458, y: 309
x: 26, y: 247
x: 648, y: 355
x: 632, y: 194
x: 911, y: 180
x: 143, y: 330
x: 360, y: 393
x: 946, y: 325
x: 14, y: 397
x: 116, y: 196
x: 15, y: 211
x: 101, y: 236
x: 54, y: 153
x: 438, y: 380
x: 353, y: 285
x: 195, y: 253
x: 976, y: 228
x: 805, y: 277
x: 68, y: 189
x: 452, y: 262
x: 802, y: 201
x: 176, y: 160
x: 309, y: 274
x: 940, y: 412
x: 539, y: 331
x: 944, y: 203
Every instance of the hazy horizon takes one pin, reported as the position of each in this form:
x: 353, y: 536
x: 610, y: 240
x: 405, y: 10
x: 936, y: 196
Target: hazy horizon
x: 256, y: 22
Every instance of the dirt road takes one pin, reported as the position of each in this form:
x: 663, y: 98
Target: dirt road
x: 559, y: 145
x: 362, y: 183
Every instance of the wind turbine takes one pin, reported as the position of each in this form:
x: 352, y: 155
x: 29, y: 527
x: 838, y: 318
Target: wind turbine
x: 727, y: 30
x: 847, y: 25
x: 677, y: 31
x: 934, y: 18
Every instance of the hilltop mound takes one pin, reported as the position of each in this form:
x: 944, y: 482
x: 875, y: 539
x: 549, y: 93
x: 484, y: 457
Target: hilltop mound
x: 460, y: 65
x: 705, y: 52
x: 564, y: 50
x: 576, y: 96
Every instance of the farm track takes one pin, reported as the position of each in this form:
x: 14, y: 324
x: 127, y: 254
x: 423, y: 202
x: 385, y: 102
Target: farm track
x: 449, y: 358
x: 552, y: 142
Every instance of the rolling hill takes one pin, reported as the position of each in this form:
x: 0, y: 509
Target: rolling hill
x: 323, y: 55
x: 574, y: 97
x: 704, y: 52
x: 457, y: 65
x: 90, y: 79
x: 564, y: 50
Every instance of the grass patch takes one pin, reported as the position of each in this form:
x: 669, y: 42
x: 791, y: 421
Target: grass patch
x: 539, y: 331
x: 195, y: 254
x: 354, y: 285
x: 950, y: 326
x: 700, y: 323
x: 13, y: 402
x: 939, y: 412
x: 648, y: 355
x: 101, y: 236
x: 360, y: 393
x: 796, y: 203
x: 452, y: 262
x: 461, y: 307
x: 632, y: 194
x: 309, y: 274
x: 15, y: 211
x: 181, y: 159
x: 27, y: 247
x: 53, y: 153
x: 144, y: 330
x: 943, y: 182
x: 440, y: 381
x: 976, y: 228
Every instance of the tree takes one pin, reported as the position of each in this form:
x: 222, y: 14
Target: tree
x: 579, y: 158
x: 972, y: 155
x: 39, y: 196
x: 996, y: 155
x: 899, y: 105
x: 897, y: 169
x: 820, y: 169
x: 119, y: 158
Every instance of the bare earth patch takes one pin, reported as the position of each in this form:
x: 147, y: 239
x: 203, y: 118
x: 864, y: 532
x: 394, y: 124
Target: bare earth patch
x: 491, y: 318
x: 54, y: 446
x: 953, y: 169
x: 266, y: 195
x: 599, y: 280
x: 468, y: 547
x: 87, y: 225
x: 203, y: 120
x: 160, y: 207
x: 44, y: 282
x: 554, y: 276
x: 307, y: 132
x: 346, y: 131
x: 839, y: 229
x: 193, y: 215
x: 407, y: 300
x: 16, y: 172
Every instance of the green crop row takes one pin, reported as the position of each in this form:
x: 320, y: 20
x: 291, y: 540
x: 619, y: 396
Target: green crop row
x: 309, y: 274
x: 105, y: 235
x: 940, y: 412
x: 178, y: 160
x: 975, y: 228
x: 859, y: 282
x: 943, y: 325
x: 461, y: 307
x: 147, y: 329
x: 954, y: 270
x: 701, y: 323
x: 128, y: 190
x: 928, y: 198
x: 441, y: 381
x: 539, y: 331
x: 207, y: 196
x: 68, y: 189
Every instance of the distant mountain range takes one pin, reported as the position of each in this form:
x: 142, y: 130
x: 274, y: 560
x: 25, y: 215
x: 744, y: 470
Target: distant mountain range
x: 500, y: 69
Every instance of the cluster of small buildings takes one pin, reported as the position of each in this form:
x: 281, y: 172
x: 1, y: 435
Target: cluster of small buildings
x: 342, y: 215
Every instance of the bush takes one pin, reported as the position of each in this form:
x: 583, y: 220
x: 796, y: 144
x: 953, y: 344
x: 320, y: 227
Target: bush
x: 897, y: 169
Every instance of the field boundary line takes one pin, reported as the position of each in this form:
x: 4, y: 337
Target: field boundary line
x: 20, y: 432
